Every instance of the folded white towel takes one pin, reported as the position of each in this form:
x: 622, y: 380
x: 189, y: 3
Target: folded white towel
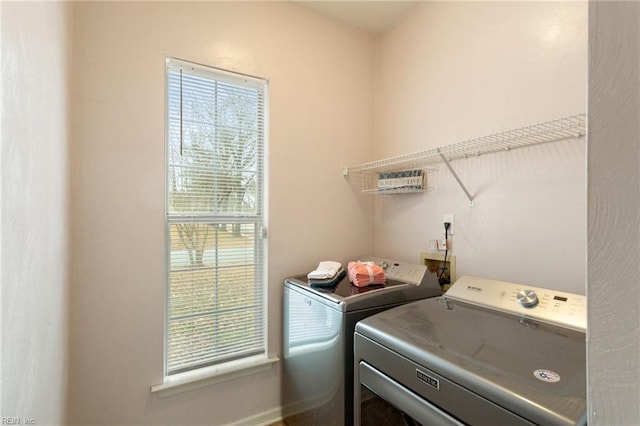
x: 325, y: 270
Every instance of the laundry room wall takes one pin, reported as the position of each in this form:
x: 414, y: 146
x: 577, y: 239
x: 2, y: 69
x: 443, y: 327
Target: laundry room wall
x: 320, y: 75
x: 34, y: 203
x: 613, y: 336
x: 453, y: 71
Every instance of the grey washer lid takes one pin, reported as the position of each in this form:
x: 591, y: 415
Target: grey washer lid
x: 493, y: 354
x: 346, y: 297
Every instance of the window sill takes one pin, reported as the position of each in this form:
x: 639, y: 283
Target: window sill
x: 211, y: 375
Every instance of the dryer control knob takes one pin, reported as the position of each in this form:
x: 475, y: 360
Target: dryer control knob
x: 527, y: 298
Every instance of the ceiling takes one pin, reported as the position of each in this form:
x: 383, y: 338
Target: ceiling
x: 373, y: 16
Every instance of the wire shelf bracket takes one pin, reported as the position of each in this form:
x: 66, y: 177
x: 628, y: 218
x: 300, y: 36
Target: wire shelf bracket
x: 571, y: 127
x: 455, y: 175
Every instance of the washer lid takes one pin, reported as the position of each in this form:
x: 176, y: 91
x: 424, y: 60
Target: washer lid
x: 348, y: 297
x: 534, y: 369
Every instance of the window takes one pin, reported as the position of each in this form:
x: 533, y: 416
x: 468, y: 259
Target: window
x: 215, y: 217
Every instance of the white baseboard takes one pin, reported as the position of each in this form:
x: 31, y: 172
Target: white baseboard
x: 261, y: 419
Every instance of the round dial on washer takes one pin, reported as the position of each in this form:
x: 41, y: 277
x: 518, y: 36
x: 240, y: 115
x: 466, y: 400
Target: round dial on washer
x: 527, y: 298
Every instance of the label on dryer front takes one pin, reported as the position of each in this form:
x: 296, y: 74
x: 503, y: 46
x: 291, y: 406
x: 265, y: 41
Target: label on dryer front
x: 431, y: 381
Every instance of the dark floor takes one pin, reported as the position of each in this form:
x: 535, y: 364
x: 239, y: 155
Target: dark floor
x: 376, y: 412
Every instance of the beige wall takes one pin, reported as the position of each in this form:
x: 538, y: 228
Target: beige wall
x: 613, y: 348
x: 118, y: 154
x: 321, y: 117
x: 453, y: 71
x: 34, y: 224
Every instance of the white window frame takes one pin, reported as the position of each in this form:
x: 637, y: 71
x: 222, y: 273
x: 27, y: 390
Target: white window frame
x: 252, y: 362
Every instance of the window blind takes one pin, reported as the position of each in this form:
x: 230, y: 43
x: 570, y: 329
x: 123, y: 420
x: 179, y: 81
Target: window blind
x: 215, y: 216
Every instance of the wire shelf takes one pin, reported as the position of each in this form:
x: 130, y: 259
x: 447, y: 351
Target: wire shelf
x: 550, y: 131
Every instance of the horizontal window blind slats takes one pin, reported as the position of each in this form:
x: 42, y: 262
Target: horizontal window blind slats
x: 218, y: 311
x: 202, y: 123
x: 215, y: 219
x: 214, y: 337
x: 213, y: 173
x: 199, y: 329
x: 201, y: 280
x: 201, y: 177
x: 175, y: 65
x: 194, y: 339
x: 225, y: 189
x: 199, y: 91
x: 205, y: 361
x: 198, y: 205
x: 194, y: 86
x: 183, y: 308
x: 203, y: 117
x: 209, y: 267
x: 185, y: 175
x: 204, y: 351
x: 216, y: 276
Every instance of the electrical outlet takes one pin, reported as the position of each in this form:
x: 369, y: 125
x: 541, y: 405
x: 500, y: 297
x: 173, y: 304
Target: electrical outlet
x: 443, y: 244
x: 448, y: 218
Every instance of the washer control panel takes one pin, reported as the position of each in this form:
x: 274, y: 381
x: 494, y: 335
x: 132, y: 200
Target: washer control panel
x: 399, y: 271
x: 555, y: 307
